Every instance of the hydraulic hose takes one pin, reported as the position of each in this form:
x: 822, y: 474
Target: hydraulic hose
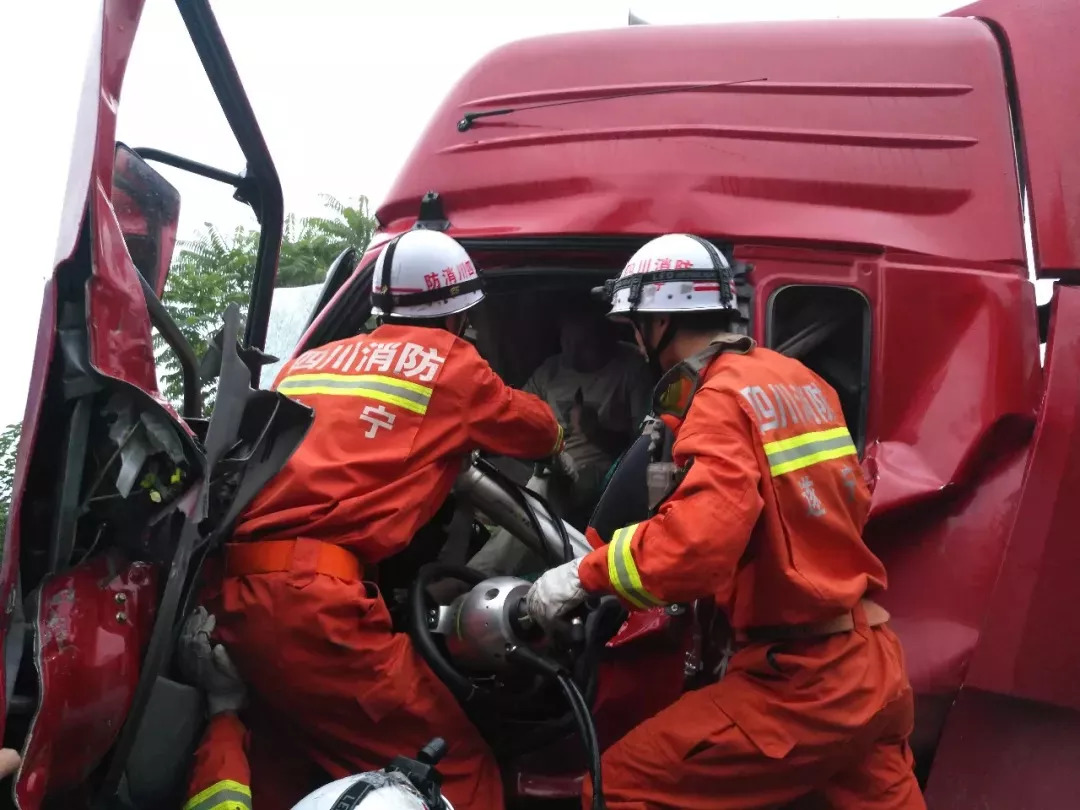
x: 601, y: 623
x: 588, y: 737
x: 518, y: 493
x: 580, y: 710
x: 515, y: 508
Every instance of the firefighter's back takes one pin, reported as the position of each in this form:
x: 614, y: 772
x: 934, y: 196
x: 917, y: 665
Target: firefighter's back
x: 383, y: 450
x: 807, y: 559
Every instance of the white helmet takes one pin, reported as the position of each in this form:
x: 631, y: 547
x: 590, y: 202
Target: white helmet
x: 676, y: 272
x: 377, y: 790
x: 424, y: 274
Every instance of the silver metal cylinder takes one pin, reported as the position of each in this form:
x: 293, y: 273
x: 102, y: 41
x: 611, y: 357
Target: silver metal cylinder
x: 483, y: 624
x: 487, y: 496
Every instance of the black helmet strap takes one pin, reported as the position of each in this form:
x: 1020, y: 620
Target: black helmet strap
x: 720, y: 273
x: 386, y: 300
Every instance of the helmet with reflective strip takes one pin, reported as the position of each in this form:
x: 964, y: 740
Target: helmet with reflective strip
x: 424, y: 274
x: 676, y: 272
x: 377, y: 790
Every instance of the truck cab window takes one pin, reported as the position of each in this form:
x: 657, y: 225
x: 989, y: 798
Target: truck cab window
x: 828, y: 329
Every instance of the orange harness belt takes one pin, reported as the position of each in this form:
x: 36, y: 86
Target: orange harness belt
x: 269, y: 556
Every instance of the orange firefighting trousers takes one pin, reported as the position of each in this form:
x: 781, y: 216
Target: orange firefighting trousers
x: 319, y: 651
x: 826, y: 717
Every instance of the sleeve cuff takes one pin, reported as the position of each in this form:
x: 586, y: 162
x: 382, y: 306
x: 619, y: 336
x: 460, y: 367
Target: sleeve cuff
x: 593, y: 573
x: 592, y: 536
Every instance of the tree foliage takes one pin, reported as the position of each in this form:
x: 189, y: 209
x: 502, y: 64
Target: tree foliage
x: 215, y: 269
x: 310, y: 245
x: 9, y: 446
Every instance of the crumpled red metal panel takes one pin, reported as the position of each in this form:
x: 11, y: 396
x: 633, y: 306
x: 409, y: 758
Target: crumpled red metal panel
x: 120, y: 338
x: 1026, y: 649
x: 92, y: 625
x: 90, y: 181
x: 956, y: 369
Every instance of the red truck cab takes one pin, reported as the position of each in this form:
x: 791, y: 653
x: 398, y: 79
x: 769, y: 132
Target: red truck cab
x: 894, y: 188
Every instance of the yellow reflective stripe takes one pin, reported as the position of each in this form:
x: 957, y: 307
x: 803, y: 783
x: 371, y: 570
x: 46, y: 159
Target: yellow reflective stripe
x: 623, y: 572
x: 383, y: 378
x: 382, y: 388
x: 380, y: 396
x: 804, y: 450
x: 804, y: 438
x: 613, y: 564
x: 223, y: 795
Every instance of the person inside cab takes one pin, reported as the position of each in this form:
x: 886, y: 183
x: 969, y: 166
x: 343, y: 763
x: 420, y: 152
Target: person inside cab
x: 599, y: 389
x: 396, y: 413
x: 765, y: 516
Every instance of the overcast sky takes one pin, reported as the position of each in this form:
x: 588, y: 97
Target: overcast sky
x: 342, y: 90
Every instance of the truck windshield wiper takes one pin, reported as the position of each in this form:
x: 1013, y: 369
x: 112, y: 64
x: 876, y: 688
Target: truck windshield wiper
x: 468, y: 118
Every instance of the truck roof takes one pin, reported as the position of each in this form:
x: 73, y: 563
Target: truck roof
x: 885, y: 133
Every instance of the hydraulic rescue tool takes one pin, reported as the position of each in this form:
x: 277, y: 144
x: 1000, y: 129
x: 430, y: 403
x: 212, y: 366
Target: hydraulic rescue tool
x: 484, y: 639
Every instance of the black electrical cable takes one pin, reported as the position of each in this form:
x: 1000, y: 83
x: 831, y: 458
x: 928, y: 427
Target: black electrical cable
x: 589, y: 738
x: 556, y: 521
x: 580, y: 710
x: 521, y: 496
x: 601, y: 623
x: 514, y: 491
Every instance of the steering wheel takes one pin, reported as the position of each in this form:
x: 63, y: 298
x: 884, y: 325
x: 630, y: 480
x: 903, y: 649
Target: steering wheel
x: 423, y: 621
x: 512, y: 714
x: 585, y: 636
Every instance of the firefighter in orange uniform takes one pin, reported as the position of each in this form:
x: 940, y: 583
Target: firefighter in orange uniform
x: 765, y: 516
x: 396, y: 413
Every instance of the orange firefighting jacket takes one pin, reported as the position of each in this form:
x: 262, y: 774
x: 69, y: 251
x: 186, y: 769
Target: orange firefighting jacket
x: 221, y: 776
x: 768, y: 519
x: 396, y: 412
